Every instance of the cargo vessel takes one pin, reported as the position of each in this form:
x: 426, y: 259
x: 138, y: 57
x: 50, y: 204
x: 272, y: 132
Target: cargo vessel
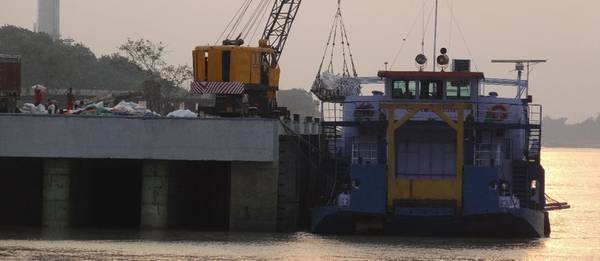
x: 434, y: 154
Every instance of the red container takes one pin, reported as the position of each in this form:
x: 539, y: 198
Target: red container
x: 10, y: 75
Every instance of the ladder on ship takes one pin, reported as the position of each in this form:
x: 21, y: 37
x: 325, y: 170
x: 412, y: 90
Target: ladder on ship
x: 331, y: 135
x: 520, y: 182
x: 332, y: 115
x: 339, y: 179
x: 535, y: 142
x: 337, y: 166
x: 534, y: 132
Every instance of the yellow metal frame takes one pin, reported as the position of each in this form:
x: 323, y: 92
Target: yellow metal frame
x: 411, y: 189
x: 245, y: 66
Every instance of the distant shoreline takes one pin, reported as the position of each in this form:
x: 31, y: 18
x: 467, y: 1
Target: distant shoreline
x: 571, y: 147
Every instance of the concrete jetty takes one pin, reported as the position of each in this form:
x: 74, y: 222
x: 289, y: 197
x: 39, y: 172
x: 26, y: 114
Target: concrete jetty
x: 158, y: 173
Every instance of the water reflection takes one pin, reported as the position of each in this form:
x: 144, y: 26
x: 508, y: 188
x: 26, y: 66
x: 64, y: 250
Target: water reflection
x: 572, y: 175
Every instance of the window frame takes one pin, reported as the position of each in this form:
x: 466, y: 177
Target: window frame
x: 405, y: 88
x: 460, y: 90
x: 440, y: 84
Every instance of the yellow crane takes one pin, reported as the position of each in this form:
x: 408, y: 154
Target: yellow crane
x: 233, y: 71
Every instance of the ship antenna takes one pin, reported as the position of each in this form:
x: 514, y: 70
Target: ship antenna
x: 435, y: 33
x: 423, y: 37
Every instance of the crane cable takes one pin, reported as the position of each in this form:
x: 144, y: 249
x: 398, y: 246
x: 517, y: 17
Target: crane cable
x: 236, y: 15
x: 240, y: 26
x: 261, y: 19
x: 254, y: 18
x: 349, y: 50
x: 335, y: 33
x: 338, y: 27
x: 327, y: 46
x: 239, y: 19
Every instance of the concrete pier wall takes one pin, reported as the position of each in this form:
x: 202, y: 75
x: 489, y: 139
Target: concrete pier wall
x: 253, y: 196
x: 40, y: 136
x: 56, y: 193
x: 109, y: 172
x: 155, y: 194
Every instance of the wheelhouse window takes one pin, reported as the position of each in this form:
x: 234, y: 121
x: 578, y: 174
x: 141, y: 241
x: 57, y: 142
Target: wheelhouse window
x: 431, y: 90
x: 458, y: 90
x: 404, y: 90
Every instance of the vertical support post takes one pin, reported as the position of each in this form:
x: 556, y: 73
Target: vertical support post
x: 254, y: 196
x: 155, y: 194
x: 56, y: 207
x: 394, y: 125
x: 391, y: 155
x: 308, y: 125
x: 296, y: 123
x: 460, y: 155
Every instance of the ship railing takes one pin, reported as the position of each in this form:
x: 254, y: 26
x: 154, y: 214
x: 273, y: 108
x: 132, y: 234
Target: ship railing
x: 535, y: 114
x: 424, y: 115
x: 487, y: 112
x: 364, y: 153
x: 332, y: 112
x: 487, y: 155
x: 368, y: 115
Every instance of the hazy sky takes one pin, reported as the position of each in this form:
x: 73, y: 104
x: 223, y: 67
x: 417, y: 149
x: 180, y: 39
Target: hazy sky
x: 567, y: 33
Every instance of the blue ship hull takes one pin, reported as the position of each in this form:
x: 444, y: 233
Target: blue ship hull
x: 513, y: 223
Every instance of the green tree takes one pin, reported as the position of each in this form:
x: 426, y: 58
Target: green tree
x: 150, y: 56
x: 63, y: 64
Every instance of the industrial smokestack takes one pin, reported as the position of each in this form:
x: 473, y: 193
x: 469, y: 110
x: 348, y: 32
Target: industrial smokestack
x: 49, y: 17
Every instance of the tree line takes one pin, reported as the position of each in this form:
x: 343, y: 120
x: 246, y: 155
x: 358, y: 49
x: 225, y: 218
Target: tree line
x: 558, y: 133
x: 65, y: 63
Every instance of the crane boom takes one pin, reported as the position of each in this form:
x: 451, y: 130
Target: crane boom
x: 279, y: 25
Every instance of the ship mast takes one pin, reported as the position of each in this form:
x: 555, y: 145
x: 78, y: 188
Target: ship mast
x: 435, y: 34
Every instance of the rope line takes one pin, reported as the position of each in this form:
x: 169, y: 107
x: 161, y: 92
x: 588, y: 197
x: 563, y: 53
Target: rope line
x: 338, y: 30
x: 404, y: 41
x: 254, y: 18
x: 237, y: 13
x: 246, y: 21
x: 262, y: 18
x: 239, y: 19
x: 463, y: 37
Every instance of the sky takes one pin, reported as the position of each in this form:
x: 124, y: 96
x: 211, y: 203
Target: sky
x: 567, y: 33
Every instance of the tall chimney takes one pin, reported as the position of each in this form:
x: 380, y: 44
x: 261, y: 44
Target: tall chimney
x: 49, y: 18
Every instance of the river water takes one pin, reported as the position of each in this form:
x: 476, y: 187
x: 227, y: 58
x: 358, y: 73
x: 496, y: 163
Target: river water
x: 573, y: 175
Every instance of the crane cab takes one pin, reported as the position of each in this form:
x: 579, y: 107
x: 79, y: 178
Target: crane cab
x: 250, y: 66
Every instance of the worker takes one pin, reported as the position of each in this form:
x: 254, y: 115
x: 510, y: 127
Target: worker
x: 39, y: 95
x: 344, y: 199
x: 70, y: 99
x: 245, y: 103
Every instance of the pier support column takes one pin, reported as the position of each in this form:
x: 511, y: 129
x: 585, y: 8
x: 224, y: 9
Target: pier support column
x: 254, y: 189
x: 56, y: 207
x: 155, y: 194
